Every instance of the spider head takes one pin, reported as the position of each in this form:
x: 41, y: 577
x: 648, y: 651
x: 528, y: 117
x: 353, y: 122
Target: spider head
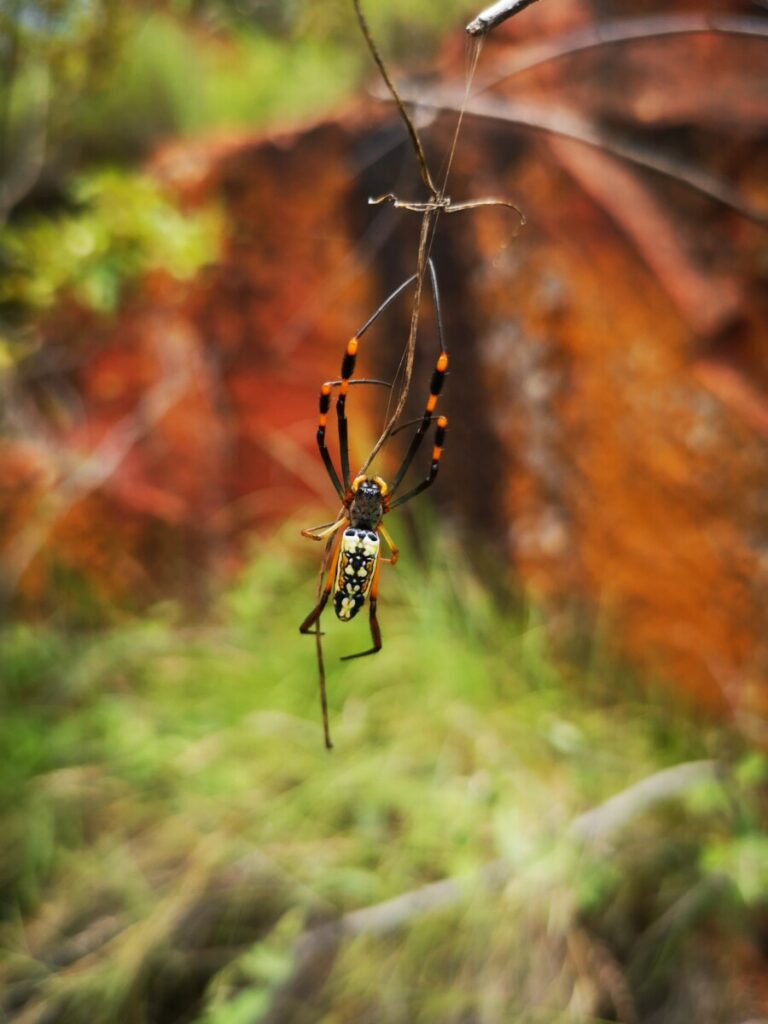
x: 369, y: 498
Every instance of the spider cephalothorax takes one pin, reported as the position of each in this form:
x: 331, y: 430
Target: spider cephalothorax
x: 367, y: 501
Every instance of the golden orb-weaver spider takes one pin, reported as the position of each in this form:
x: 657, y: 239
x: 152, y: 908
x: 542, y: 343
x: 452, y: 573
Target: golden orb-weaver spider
x: 353, y: 556
x: 350, y: 569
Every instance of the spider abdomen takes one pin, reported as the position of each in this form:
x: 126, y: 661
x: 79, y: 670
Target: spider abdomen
x: 358, y: 558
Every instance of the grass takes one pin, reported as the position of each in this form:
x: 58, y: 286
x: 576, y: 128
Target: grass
x: 173, y: 822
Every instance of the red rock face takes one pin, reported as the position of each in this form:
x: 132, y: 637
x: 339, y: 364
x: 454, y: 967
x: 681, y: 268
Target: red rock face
x: 634, y: 484
x: 609, y: 362
x: 196, y: 406
x: 626, y: 364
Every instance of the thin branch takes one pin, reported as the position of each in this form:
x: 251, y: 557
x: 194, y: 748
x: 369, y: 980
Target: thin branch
x: 707, y: 300
x: 558, y: 121
x: 426, y: 233
x: 426, y: 177
x: 317, y: 948
x: 427, y: 220
x: 677, y: 917
x: 616, y: 31
x: 17, y: 179
x: 430, y: 212
x: 603, y: 821
x: 94, y: 470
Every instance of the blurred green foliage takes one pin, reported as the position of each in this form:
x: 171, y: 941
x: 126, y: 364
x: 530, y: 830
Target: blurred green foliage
x: 744, y: 860
x: 170, y: 80
x: 52, y: 53
x: 169, y: 785
x: 95, y: 80
x: 93, y: 84
x: 121, y: 225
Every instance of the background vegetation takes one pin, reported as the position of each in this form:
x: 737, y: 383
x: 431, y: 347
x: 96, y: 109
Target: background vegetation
x: 503, y: 833
x: 174, y: 826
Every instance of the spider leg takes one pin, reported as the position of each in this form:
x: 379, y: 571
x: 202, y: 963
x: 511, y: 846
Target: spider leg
x: 325, y: 403
x: 314, y: 615
x: 317, y: 611
x: 324, y: 530
x: 331, y: 559
x: 435, y: 387
x: 347, y: 369
x: 372, y: 619
x: 394, y: 551
x: 437, y: 451
x: 323, y: 695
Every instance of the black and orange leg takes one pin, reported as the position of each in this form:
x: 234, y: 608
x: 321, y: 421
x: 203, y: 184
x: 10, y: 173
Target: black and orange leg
x: 435, y: 387
x: 347, y: 369
x: 437, y: 451
x: 325, y: 403
x: 372, y: 619
x: 342, y: 482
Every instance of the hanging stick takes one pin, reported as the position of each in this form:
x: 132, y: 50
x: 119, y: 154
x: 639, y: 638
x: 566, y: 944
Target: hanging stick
x: 323, y: 696
x: 426, y: 177
x: 429, y: 217
x: 319, y: 649
x: 430, y: 212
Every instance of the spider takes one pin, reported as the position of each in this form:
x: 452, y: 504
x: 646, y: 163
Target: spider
x: 353, y: 555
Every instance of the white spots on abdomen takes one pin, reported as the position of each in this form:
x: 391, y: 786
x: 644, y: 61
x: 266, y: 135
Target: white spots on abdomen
x: 354, y: 576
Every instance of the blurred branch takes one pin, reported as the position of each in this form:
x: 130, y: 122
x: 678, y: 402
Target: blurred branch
x: 594, y: 962
x: 17, y: 179
x: 21, y: 160
x: 734, y: 686
x: 293, y: 457
x: 677, y: 917
x: 734, y: 388
x: 602, y: 822
x: 316, y: 950
x: 619, y: 30
x: 93, y: 471
x: 8, y: 72
x: 707, y: 300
